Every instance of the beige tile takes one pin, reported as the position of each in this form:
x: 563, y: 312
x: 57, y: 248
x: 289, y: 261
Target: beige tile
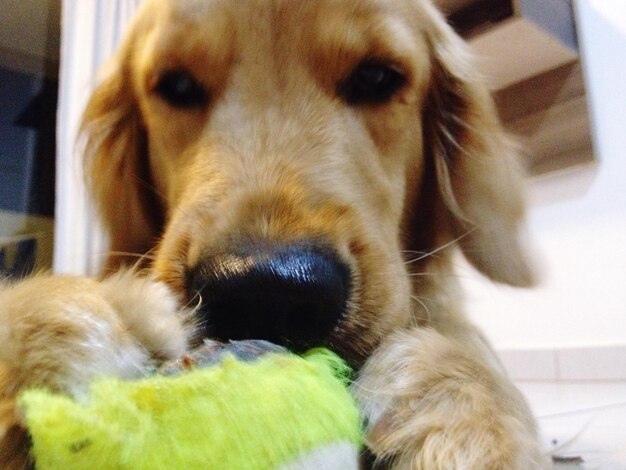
x: 586, y: 419
x: 604, y: 363
x: 530, y: 364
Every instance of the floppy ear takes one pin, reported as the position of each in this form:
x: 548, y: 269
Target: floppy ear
x: 479, y: 178
x: 117, y: 165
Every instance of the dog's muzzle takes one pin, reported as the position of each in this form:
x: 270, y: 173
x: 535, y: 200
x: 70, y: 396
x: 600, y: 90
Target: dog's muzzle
x: 290, y: 294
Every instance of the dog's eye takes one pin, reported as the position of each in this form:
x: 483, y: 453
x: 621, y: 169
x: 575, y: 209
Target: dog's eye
x: 371, y: 83
x: 180, y: 90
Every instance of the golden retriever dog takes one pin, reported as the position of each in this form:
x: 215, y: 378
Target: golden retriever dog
x: 299, y: 171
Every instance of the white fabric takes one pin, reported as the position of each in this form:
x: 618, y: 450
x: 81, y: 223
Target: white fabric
x: 91, y: 30
x: 335, y: 456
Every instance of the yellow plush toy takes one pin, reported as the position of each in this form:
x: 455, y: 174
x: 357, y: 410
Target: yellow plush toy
x: 224, y: 407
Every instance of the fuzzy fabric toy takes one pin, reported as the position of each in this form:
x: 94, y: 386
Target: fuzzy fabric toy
x: 236, y: 406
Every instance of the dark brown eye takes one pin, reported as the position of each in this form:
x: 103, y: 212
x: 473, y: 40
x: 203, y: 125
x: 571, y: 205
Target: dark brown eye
x: 180, y: 90
x: 371, y: 83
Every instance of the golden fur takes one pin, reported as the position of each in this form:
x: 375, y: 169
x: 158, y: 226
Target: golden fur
x: 275, y: 155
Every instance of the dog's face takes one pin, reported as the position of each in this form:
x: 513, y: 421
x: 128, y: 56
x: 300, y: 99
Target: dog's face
x: 283, y: 159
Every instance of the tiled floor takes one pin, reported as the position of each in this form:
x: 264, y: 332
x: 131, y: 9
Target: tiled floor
x: 582, y: 419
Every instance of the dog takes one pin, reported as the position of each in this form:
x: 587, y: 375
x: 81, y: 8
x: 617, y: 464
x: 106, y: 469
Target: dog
x: 301, y: 172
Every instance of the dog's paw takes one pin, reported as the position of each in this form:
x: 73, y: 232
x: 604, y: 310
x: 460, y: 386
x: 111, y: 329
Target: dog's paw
x: 431, y: 404
x: 150, y: 312
x: 432, y: 442
x: 61, y: 331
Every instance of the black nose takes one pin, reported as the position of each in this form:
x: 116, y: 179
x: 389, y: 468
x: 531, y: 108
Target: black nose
x: 288, y: 294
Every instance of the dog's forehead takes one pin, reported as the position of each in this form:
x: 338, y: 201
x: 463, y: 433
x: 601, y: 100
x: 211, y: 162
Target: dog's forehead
x: 339, y: 32
x: 288, y: 18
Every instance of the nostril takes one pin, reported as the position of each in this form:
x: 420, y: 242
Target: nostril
x: 287, y: 294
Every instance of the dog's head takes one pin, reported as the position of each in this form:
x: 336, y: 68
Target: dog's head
x: 294, y: 162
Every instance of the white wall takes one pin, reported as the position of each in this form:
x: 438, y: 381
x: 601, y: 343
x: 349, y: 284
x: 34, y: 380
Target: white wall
x: 91, y: 31
x: 582, y: 240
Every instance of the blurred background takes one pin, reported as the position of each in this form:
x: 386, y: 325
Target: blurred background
x: 29, y: 66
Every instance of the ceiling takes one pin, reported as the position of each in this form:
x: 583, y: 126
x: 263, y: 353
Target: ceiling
x: 30, y: 32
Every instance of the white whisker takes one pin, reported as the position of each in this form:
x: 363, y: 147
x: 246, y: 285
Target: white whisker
x: 441, y: 248
x: 421, y: 301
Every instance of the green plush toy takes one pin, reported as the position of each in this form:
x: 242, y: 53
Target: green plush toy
x: 223, y: 407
